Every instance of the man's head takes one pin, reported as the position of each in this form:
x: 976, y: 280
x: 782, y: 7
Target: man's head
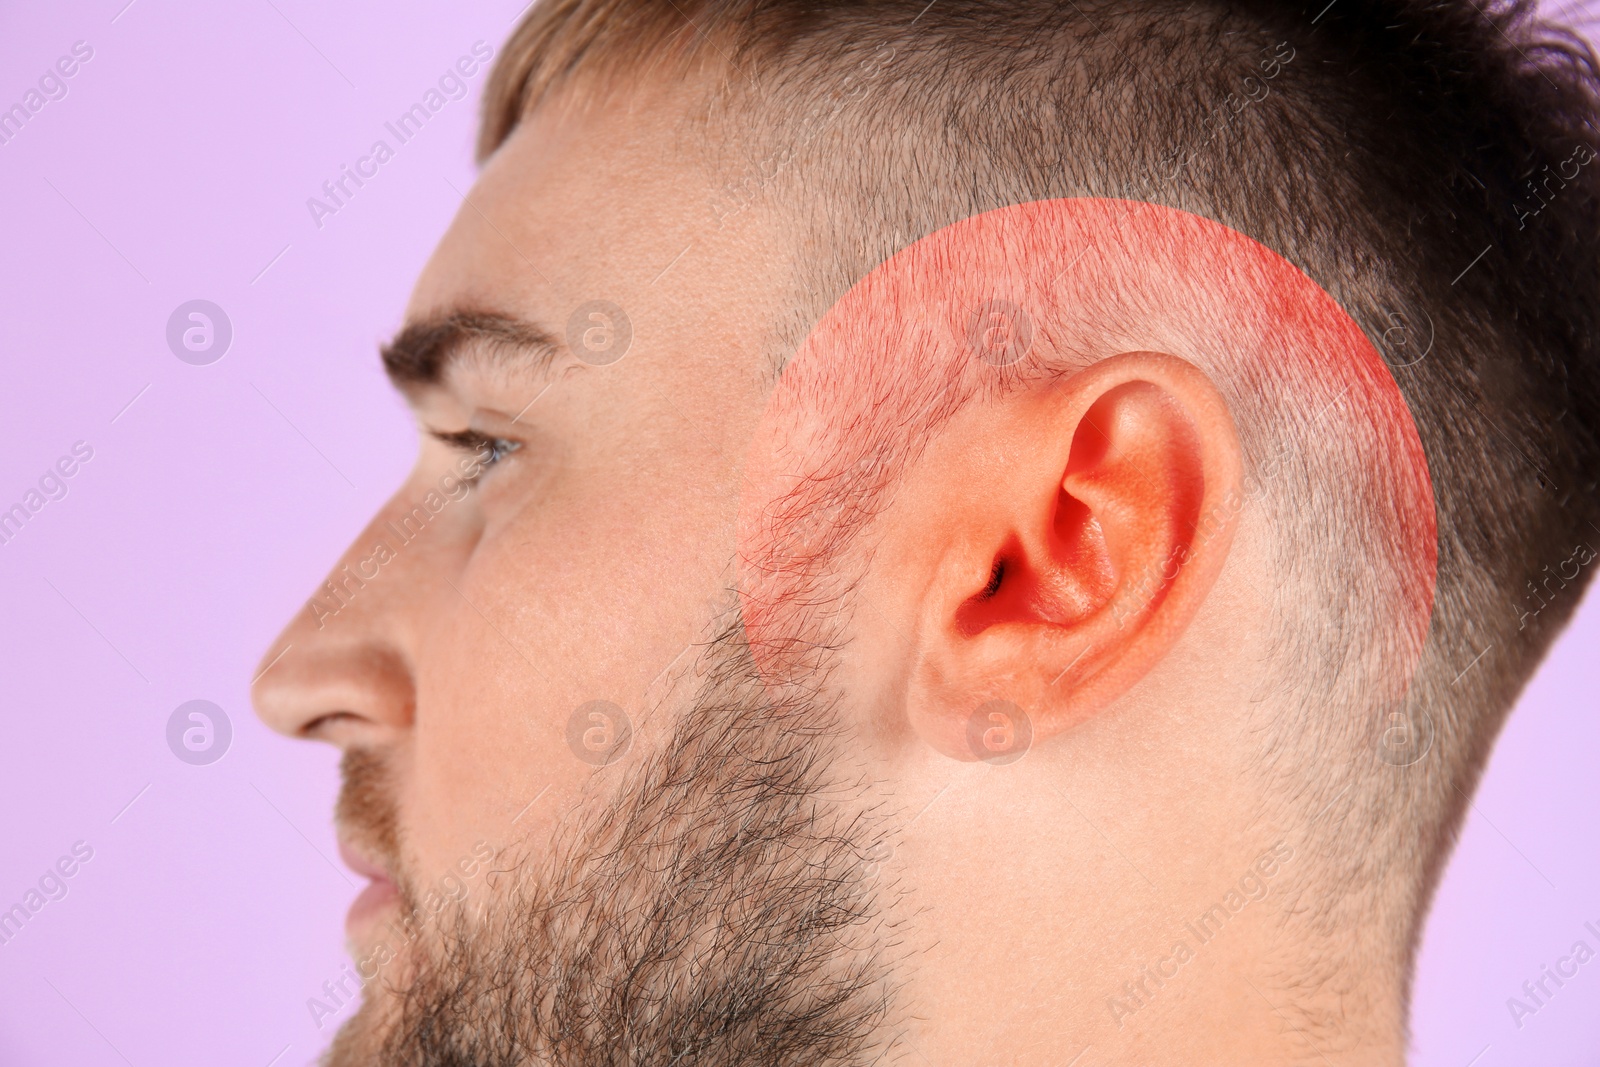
x: 820, y: 398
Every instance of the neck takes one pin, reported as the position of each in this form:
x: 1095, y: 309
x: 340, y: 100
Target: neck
x: 1122, y: 914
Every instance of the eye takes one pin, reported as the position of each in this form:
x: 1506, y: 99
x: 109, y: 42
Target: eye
x: 494, y: 449
x: 483, y: 449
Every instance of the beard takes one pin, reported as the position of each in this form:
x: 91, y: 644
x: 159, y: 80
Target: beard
x: 718, y: 906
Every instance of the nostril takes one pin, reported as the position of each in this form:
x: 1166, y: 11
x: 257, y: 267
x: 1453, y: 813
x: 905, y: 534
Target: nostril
x: 359, y: 689
x: 324, y: 726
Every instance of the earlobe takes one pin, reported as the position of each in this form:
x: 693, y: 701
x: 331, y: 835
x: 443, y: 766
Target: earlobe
x: 1069, y: 535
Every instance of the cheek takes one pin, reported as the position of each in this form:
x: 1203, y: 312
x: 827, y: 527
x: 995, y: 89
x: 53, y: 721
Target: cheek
x: 572, y: 601
x: 481, y: 746
x: 493, y: 672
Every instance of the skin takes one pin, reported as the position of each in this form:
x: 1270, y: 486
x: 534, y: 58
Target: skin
x: 588, y: 560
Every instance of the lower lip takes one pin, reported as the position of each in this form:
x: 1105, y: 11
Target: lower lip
x: 378, y: 899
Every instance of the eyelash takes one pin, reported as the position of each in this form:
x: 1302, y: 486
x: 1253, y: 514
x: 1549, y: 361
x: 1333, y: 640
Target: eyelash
x: 486, y: 449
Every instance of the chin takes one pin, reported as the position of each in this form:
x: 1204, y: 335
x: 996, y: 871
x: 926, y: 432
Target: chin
x: 360, y: 1040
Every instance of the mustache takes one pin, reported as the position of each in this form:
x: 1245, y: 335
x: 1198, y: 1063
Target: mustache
x: 366, y: 812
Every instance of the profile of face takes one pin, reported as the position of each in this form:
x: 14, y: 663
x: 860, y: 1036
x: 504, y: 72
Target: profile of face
x: 514, y: 655
x: 742, y: 716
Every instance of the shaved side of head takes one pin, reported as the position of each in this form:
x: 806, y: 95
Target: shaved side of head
x: 1385, y: 150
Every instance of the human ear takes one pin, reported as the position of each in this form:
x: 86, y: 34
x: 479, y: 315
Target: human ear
x: 1056, y: 543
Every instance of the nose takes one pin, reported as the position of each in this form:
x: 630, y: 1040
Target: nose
x: 341, y: 670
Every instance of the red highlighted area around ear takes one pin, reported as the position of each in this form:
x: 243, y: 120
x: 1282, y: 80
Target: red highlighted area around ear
x: 1186, y: 372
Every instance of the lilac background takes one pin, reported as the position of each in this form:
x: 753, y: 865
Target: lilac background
x: 178, y: 166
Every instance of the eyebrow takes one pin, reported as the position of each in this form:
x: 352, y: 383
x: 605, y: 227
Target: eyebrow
x: 423, y: 351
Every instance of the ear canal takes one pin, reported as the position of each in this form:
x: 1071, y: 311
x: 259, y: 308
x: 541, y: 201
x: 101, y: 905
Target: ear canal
x: 990, y: 604
x: 1066, y: 578
x: 996, y: 574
